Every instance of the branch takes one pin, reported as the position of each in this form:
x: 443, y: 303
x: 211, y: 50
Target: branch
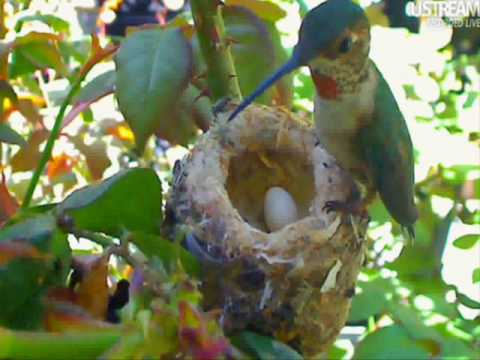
x: 221, y: 76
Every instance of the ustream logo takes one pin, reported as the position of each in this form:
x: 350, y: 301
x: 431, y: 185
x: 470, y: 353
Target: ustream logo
x: 444, y: 8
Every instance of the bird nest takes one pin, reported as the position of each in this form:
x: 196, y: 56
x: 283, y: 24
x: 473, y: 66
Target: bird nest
x: 294, y: 281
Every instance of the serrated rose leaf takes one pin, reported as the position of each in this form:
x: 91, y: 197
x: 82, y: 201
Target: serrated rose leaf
x: 130, y: 200
x: 153, y: 69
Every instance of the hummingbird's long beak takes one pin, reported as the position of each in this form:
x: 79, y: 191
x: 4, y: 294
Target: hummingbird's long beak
x: 287, y: 68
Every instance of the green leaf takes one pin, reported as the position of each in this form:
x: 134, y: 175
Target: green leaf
x: 130, y: 200
x: 410, y: 92
x: 413, y: 261
x: 378, y: 212
x: 469, y: 217
x: 23, y: 281
x: 476, y: 275
x: 10, y: 136
x: 257, y: 52
x: 98, y: 87
x: 466, y: 242
x: 471, y: 98
x: 75, y: 345
x: 167, y: 251
x: 192, y: 109
x: 387, y: 342
x: 56, y: 23
x: 372, y: 300
x: 42, y: 55
x: 7, y: 92
x: 306, y: 90
x: 253, y: 49
x: 262, y: 347
x: 337, y: 352
x: 20, y: 285
x: 413, y: 323
x: 455, y: 343
x: 467, y: 301
x: 458, y: 174
x: 38, y: 230
x: 284, y: 87
x: 153, y: 68
x: 33, y: 55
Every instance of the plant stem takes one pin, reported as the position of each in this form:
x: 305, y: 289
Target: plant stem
x: 43, y: 345
x: 221, y: 75
x: 47, y: 152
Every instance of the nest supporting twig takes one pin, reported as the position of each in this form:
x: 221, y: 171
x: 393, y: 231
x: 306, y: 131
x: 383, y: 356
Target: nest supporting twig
x: 295, y: 283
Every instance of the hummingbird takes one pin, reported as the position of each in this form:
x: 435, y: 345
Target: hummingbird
x: 357, y: 118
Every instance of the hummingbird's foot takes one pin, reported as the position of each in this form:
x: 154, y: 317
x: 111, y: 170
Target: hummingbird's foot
x: 355, y: 207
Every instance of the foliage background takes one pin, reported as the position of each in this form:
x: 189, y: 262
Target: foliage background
x: 418, y: 300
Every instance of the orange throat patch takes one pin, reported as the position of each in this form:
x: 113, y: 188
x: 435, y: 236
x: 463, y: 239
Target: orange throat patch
x: 326, y: 86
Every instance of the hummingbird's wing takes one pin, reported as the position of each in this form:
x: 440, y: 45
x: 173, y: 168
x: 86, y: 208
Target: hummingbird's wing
x: 388, y: 150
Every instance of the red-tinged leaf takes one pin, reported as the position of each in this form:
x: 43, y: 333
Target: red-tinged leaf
x: 62, y: 316
x: 97, y: 54
x: 75, y: 111
x: 122, y: 132
x: 59, y: 166
x: 92, y: 292
x: 95, y: 156
x: 182, y: 23
x: 8, y: 204
x: 95, y: 90
x: 199, y: 335
x: 61, y: 294
x: 15, y: 249
x: 28, y: 156
x: 189, y: 316
x: 29, y: 109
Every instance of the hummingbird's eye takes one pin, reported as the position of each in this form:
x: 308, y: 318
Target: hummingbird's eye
x: 345, y: 45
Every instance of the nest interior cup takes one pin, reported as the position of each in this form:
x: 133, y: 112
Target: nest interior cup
x: 294, y: 283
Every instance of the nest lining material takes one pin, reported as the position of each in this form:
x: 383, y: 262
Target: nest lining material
x: 310, y: 265
x: 228, y: 178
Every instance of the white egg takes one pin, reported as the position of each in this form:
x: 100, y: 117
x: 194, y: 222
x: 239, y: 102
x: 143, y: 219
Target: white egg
x: 279, y: 208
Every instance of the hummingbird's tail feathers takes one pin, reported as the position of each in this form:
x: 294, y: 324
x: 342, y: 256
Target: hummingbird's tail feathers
x: 287, y: 68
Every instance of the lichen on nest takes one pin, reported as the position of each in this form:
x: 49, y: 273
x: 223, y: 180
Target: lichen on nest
x: 271, y: 281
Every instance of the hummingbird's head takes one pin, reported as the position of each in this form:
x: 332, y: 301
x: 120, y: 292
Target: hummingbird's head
x: 334, y: 42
